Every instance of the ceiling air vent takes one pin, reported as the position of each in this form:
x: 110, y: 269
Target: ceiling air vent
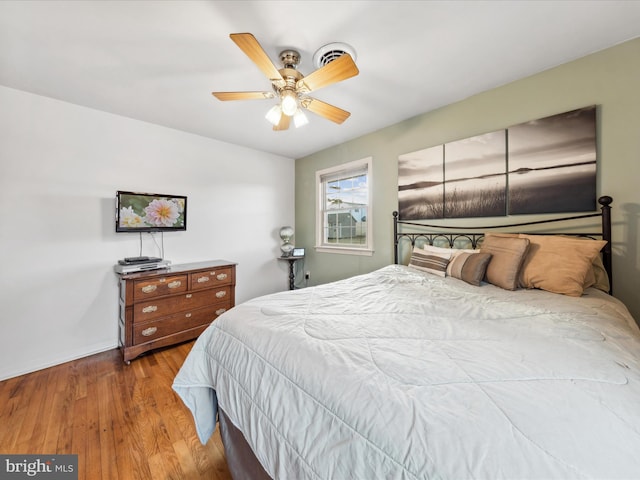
x: 331, y: 51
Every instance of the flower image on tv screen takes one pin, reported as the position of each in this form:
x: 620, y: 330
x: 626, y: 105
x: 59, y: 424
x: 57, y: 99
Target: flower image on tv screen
x: 150, y: 212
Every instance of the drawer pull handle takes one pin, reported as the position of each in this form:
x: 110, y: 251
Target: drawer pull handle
x: 222, y: 276
x: 220, y: 311
x: 147, y: 332
x: 149, y: 288
x: 162, y: 280
x: 187, y: 315
x: 174, y: 284
x: 149, y: 309
x: 203, y: 279
x: 221, y: 293
x: 188, y: 295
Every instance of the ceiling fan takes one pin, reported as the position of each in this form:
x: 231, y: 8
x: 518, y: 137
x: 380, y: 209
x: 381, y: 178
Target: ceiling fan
x: 291, y: 86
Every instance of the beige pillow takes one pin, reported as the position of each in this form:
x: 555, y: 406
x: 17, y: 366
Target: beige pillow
x: 601, y: 277
x: 589, y: 279
x: 430, y: 259
x: 469, y: 267
x: 597, y: 276
x: 507, y: 256
x: 559, y: 264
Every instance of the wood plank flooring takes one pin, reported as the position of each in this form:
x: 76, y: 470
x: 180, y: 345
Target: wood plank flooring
x: 124, y: 421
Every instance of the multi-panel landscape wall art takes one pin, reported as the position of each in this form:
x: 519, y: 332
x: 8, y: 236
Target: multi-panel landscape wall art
x: 542, y: 166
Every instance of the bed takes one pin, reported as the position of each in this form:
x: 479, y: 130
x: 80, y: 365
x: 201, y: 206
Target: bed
x: 415, y: 372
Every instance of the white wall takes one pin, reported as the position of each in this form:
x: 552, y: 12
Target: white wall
x: 60, y: 166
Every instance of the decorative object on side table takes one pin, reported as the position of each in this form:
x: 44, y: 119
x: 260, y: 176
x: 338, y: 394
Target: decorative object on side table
x: 286, y: 234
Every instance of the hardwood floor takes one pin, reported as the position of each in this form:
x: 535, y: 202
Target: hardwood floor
x: 123, y: 421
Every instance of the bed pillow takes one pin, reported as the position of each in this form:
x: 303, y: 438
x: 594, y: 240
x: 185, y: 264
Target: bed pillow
x: 601, y: 276
x: 430, y: 259
x: 507, y: 255
x: 589, y: 279
x: 454, y: 253
x: 469, y: 267
x: 559, y: 264
x: 597, y: 276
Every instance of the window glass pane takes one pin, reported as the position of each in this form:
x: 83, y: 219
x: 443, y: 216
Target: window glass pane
x: 345, y: 205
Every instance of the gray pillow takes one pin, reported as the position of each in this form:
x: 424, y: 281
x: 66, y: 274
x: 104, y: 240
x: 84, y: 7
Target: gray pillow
x: 470, y: 267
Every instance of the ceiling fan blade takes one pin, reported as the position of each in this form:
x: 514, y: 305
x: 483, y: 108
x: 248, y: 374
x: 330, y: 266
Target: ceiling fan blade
x: 283, y: 124
x: 340, y: 69
x: 250, y: 46
x: 224, y: 96
x: 327, y: 111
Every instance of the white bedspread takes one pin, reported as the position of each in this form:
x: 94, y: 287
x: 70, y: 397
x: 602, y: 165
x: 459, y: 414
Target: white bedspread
x: 399, y: 374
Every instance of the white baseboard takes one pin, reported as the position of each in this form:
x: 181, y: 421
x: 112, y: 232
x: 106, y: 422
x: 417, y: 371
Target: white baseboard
x: 7, y: 372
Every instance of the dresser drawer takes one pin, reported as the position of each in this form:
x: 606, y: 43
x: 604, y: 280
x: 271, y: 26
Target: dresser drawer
x: 179, y: 322
x: 208, y: 279
x: 152, y: 309
x: 158, y: 287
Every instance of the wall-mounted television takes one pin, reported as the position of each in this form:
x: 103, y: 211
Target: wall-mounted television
x: 150, y: 212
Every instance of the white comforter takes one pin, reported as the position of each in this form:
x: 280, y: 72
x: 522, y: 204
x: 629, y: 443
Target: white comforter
x: 399, y: 374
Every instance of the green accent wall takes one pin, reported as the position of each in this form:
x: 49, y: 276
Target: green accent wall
x: 609, y: 79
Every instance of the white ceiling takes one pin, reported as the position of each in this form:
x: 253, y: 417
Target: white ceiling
x: 159, y: 61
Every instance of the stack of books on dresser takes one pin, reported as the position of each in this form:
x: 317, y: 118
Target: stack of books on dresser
x: 140, y: 264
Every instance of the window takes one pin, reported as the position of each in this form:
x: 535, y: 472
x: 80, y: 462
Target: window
x: 344, y: 209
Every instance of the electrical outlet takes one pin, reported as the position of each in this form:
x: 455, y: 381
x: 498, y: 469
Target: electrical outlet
x: 307, y: 275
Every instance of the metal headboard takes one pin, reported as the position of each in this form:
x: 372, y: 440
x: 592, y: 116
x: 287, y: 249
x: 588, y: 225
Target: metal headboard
x: 477, y: 233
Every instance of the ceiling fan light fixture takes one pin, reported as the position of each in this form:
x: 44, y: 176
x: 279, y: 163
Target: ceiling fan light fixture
x: 274, y: 114
x: 289, y: 102
x: 291, y: 86
x: 300, y: 119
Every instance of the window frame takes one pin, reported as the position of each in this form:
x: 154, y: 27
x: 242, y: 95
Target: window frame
x: 344, y: 170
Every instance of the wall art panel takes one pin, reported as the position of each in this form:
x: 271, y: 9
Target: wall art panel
x: 475, y: 180
x: 421, y: 184
x: 552, y: 164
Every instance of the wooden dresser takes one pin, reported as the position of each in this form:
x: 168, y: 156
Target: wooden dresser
x: 164, y: 307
